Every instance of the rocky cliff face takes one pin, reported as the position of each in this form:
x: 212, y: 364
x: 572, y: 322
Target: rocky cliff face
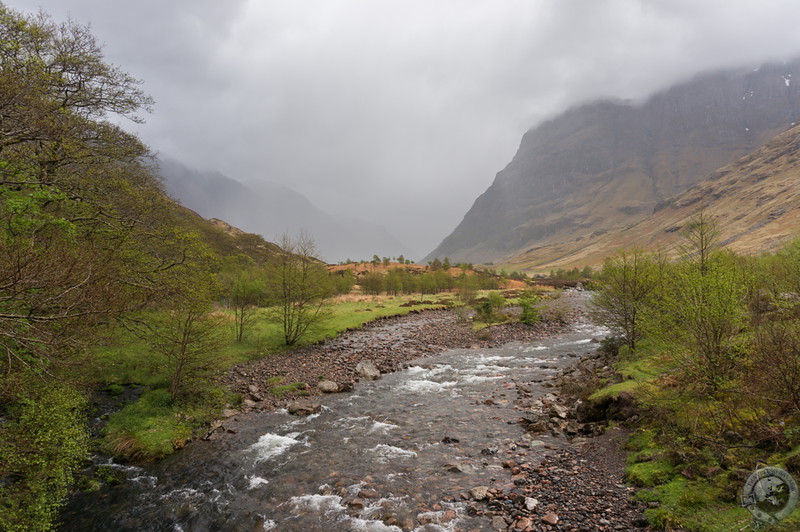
x: 755, y: 202
x: 610, y: 164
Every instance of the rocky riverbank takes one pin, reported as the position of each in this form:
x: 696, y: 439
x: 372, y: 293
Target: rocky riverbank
x: 577, y: 487
x: 387, y: 343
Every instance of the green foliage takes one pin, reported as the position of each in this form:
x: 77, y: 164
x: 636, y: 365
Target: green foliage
x: 489, y: 310
x: 626, y: 287
x: 115, y: 389
x: 573, y: 274
x: 531, y: 313
x: 716, y: 376
x: 187, y: 338
x: 343, y: 282
x: 704, y: 312
x: 43, y: 442
x: 372, y: 283
x: 649, y: 473
x: 245, y: 289
x: 109, y: 475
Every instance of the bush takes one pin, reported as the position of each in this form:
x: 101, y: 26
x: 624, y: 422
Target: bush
x: 489, y: 309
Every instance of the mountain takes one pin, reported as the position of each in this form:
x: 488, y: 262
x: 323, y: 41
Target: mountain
x: 755, y: 202
x: 271, y: 210
x: 608, y: 164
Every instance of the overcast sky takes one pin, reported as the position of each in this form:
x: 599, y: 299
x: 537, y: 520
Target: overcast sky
x: 402, y: 111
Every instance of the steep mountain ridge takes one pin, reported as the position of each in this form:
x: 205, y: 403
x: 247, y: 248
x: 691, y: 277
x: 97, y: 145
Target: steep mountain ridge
x: 609, y: 164
x: 755, y: 202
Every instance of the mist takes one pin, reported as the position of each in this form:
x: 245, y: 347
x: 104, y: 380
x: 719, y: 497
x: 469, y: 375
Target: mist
x: 401, y: 113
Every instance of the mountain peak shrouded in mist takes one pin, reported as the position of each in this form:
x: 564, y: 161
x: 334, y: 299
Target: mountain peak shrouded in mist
x: 608, y: 164
x: 271, y: 209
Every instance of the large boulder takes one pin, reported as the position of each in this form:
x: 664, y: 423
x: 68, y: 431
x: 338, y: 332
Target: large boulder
x: 619, y: 408
x: 367, y: 370
x: 303, y: 408
x: 326, y: 386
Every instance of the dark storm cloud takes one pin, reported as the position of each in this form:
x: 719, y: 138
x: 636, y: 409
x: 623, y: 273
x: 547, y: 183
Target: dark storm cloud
x: 403, y: 111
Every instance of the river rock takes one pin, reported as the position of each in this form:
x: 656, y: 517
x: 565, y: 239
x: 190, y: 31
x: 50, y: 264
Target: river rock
x: 531, y: 503
x: 479, y: 493
x: 367, y: 370
x: 303, y: 408
x: 454, y: 467
x: 328, y: 386
x: 249, y: 403
x: 561, y: 411
x: 523, y: 523
x: 498, y: 523
x: 550, y: 518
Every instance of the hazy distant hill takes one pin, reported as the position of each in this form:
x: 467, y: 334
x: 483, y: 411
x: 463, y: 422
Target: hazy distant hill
x: 609, y: 164
x: 270, y: 210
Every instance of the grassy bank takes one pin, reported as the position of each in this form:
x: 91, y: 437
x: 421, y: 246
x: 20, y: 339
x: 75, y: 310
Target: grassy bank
x: 689, y: 480
x: 154, y: 426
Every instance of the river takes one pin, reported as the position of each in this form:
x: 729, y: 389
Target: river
x: 397, y: 454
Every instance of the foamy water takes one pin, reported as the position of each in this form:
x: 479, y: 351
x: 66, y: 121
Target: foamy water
x: 270, y: 446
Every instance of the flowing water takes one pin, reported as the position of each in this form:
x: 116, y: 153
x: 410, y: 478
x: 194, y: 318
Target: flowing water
x: 394, y: 455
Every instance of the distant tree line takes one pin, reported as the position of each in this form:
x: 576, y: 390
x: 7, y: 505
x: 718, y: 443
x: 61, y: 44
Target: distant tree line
x: 400, y: 281
x: 572, y: 274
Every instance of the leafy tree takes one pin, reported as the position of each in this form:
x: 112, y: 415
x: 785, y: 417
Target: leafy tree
x: 246, y: 290
x: 703, y: 307
x: 393, y: 282
x: 704, y: 311
x: 436, y: 264
x: 446, y: 264
x: 344, y: 281
x: 467, y: 287
x: 427, y: 283
x: 530, y: 312
x: 188, y: 337
x: 298, y: 287
x: 87, y: 237
x: 372, y: 283
x: 701, y: 238
x: 627, y: 285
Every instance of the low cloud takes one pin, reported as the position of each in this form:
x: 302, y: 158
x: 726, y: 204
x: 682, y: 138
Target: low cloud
x: 403, y: 111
